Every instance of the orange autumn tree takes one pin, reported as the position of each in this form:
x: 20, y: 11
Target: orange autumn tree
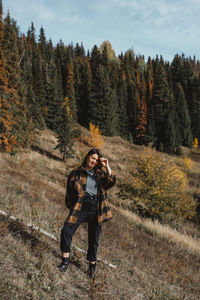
x: 95, y: 138
x: 7, y: 138
x: 150, y: 80
x: 69, y: 90
x: 141, y: 127
x: 21, y: 127
x: 196, y: 143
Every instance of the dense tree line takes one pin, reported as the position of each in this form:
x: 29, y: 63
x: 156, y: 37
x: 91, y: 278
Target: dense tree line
x: 43, y: 85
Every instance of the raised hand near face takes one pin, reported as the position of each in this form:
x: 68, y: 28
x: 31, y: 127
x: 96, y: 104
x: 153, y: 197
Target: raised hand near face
x: 104, y: 162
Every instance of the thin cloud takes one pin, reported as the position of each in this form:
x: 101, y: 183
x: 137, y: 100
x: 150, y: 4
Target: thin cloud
x: 46, y: 11
x: 150, y: 27
x: 157, y: 13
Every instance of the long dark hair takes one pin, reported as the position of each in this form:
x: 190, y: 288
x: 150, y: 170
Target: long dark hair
x: 90, y: 152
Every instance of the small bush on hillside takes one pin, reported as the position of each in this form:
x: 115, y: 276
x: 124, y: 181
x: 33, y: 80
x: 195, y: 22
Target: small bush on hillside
x: 196, y: 143
x: 95, y: 138
x: 187, y: 163
x: 159, y: 187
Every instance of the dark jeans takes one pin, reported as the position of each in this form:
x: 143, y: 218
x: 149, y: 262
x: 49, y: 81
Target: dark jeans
x: 86, y: 215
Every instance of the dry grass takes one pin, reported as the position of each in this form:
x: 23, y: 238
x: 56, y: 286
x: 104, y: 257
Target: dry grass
x: 184, y: 241
x: 154, y: 261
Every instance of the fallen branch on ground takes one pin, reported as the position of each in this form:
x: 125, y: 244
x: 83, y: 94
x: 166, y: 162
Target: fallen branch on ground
x: 32, y: 226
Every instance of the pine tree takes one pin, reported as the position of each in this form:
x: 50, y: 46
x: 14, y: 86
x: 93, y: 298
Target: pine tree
x: 162, y: 101
x: 33, y: 110
x: 129, y: 62
x: 141, y: 127
x: 188, y: 78
x: 122, y: 124
x: 37, y: 80
x: 42, y: 46
x: 82, y: 89
x: 128, y: 65
x: 95, y: 60
x: 79, y: 50
x: 63, y: 57
x: 45, y: 53
x: 150, y: 135
x: 184, y: 122
x: 65, y: 131
x: 131, y: 105
x: 177, y: 70
x: 170, y: 138
x: 102, y: 109
x: 194, y: 107
x: 54, y: 91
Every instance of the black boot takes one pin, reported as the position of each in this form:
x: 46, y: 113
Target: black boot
x: 91, y: 270
x: 63, y: 266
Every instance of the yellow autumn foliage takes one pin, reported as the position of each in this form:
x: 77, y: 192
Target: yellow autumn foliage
x: 160, y: 188
x: 95, y: 138
x: 196, y: 143
x: 66, y: 104
x: 187, y: 163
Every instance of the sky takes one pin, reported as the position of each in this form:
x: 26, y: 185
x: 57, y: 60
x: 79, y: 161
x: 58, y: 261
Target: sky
x: 148, y: 27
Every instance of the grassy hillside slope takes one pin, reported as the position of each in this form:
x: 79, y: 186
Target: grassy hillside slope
x: 153, y: 261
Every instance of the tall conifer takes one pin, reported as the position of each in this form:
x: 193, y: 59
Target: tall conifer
x: 21, y: 128
x: 131, y: 105
x: 141, y: 126
x: 122, y: 124
x: 65, y: 131
x: 54, y: 91
x: 69, y: 91
x: 7, y: 138
x: 128, y: 63
x: 37, y: 76
x: 194, y: 107
x: 162, y: 100
x: 82, y: 89
x: 102, y: 109
x: 184, y: 122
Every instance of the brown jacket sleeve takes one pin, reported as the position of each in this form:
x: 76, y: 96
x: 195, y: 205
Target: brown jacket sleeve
x: 108, y: 181
x: 69, y: 197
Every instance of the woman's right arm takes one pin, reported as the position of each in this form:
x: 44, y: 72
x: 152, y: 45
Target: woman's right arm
x: 69, y: 190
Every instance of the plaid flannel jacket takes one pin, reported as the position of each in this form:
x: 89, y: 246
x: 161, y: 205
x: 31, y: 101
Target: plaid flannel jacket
x: 76, y: 186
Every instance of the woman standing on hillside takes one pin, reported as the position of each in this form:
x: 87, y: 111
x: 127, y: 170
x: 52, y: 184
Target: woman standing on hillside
x: 86, y: 198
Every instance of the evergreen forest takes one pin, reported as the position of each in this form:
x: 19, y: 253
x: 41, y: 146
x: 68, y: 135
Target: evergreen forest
x: 59, y: 86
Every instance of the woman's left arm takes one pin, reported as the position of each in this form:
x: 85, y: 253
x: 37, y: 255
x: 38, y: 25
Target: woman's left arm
x: 108, y: 179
